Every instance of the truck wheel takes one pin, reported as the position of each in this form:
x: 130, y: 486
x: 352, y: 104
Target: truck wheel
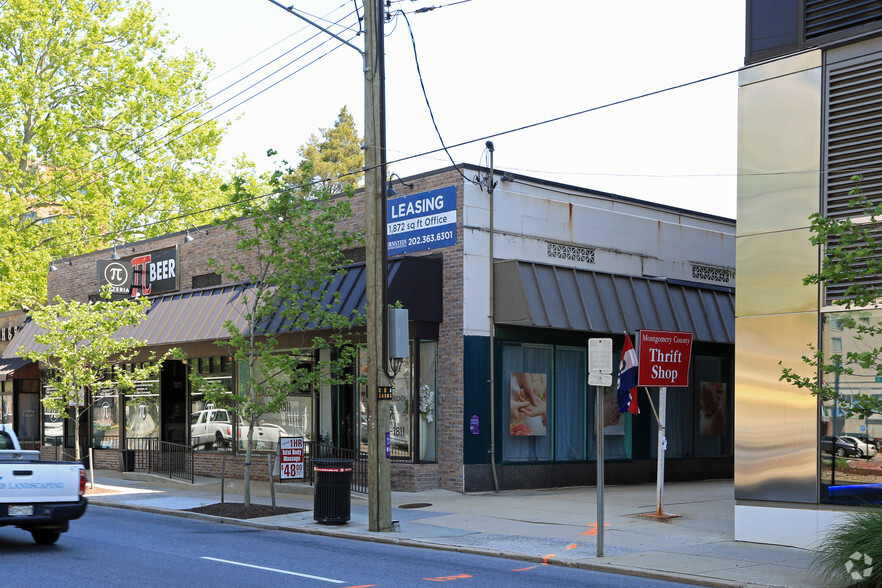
x: 44, y: 537
x: 219, y: 441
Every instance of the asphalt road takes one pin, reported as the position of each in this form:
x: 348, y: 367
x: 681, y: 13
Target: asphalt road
x: 115, y: 547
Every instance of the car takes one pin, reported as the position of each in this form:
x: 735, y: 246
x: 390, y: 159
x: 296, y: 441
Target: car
x: 211, y: 428
x: 877, y: 443
x: 868, y: 450
x: 835, y: 446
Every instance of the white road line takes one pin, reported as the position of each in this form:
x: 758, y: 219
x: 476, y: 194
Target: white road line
x: 245, y: 565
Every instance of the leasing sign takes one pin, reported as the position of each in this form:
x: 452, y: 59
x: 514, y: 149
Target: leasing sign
x: 418, y: 222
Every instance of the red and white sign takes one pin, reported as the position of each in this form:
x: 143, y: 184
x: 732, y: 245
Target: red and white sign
x: 290, y: 458
x: 663, y: 358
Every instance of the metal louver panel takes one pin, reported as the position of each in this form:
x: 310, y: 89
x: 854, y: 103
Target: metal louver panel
x: 824, y: 17
x: 853, y: 147
x: 854, y: 135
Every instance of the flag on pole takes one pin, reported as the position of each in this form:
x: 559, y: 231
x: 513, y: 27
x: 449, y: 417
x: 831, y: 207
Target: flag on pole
x: 626, y: 392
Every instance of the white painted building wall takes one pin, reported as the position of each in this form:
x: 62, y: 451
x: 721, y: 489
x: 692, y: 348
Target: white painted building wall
x: 628, y: 238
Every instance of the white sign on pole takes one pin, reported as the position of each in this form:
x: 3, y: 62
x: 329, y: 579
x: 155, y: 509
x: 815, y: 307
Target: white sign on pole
x: 600, y: 356
x: 290, y: 458
x: 600, y: 363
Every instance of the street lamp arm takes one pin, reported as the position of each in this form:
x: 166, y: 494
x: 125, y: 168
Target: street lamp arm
x: 290, y: 9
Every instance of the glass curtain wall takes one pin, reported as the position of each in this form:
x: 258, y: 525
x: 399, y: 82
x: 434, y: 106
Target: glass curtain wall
x: 849, y: 445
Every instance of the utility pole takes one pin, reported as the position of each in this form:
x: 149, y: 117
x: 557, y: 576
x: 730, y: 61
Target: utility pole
x: 379, y: 486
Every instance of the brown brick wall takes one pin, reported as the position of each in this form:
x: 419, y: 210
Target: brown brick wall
x: 77, y: 279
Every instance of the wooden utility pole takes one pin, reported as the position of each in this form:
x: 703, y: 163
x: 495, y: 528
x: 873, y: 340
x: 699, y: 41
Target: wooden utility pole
x: 379, y: 486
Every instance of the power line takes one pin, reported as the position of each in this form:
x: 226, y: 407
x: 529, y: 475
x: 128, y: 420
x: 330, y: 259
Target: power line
x: 416, y: 60
x: 202, y: 114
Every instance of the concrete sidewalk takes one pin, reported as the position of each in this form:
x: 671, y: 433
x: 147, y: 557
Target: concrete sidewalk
x: 554, y: 526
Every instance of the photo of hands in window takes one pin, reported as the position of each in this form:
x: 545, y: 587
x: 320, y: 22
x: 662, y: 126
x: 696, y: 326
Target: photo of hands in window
x: 527, y: 404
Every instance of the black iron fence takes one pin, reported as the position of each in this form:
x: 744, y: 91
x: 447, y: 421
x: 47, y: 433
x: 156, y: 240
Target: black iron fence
x: 359, y: 463
x: 176, y: 460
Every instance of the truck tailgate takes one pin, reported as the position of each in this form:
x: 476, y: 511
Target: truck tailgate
x: 30, y: 482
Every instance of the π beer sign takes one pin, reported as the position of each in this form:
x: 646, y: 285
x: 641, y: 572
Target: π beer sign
x: 290, y: 458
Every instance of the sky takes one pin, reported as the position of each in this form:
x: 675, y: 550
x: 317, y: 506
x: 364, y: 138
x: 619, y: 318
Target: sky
x: 490, y: 68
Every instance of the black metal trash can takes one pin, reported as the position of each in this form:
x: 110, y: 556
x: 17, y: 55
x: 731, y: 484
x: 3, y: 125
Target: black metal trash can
x: 333, y: 476
x: 127, y: 460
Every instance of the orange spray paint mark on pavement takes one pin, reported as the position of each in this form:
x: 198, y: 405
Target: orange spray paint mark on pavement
x: 525, y: 569
x: 547, y: 557
x: 448, y: 578
x: 592, y: 529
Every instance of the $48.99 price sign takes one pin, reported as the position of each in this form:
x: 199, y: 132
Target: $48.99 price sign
x: 290, y: 458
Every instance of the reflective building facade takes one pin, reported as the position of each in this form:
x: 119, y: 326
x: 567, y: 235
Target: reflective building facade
x: 808, y: 121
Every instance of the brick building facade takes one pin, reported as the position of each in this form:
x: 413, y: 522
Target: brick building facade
x: 550, y: 240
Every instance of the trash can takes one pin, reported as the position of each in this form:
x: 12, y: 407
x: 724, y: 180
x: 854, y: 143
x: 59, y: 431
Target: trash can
x: 333, y: 476
x: 127, y: 460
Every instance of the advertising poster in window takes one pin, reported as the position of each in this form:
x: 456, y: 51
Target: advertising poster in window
x: 712, y: 414
x: 527, y: 405
x: 613, y: 423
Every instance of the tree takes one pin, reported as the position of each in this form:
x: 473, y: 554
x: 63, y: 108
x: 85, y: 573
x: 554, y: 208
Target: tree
x: 83, y: 349
x: 290, y: 250
x: 336, y: 156
x: 852, y: 263
x: 99, y: 134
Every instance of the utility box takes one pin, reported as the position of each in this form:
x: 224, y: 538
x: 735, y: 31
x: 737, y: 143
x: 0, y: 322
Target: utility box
x: 399, y: 336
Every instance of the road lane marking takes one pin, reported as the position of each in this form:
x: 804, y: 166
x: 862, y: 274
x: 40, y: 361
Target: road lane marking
x: 278, y: 571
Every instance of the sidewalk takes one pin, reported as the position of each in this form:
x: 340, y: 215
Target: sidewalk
x: 554, y: 526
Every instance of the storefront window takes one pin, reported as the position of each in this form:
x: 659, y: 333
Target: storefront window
x: 712, y: 397
x: 399, y: 412
x: 569, y: 405
x: 6, y: 402
x: 105, y: 428
x: 142, y: 411
x: 295, y: 419
x: 616, y: 425
x: 211, y: 428
x: 53, y: 424
x: 427, y: 400
x: 527, y: 371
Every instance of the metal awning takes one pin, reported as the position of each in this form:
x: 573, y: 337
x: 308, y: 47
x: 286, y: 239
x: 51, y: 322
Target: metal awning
x: 9, y: 366
x: 537, y: 295
x: 200, y: 315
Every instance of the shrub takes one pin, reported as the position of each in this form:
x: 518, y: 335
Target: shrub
x: 853, y: 548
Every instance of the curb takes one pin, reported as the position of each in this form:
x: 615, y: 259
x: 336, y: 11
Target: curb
x: 408, y: 542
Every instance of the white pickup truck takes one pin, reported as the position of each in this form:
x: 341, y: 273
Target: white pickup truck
x: 38, y: 496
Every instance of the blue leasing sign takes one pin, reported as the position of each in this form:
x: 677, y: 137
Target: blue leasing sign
x: 421, y: 221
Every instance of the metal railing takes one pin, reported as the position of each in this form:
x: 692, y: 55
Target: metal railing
x: 145, y: 452
x: 359, y: 463
x: 175, y: 459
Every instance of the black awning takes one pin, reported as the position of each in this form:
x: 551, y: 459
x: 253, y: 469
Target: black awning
x: 9, y: 366
x: 537, y: 295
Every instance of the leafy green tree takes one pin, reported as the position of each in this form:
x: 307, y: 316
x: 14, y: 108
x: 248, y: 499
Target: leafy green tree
x: 336, y: 156
x: 289, y: 251
x: 853, y: 257
x: 98, y: 134
x: 81, y: 347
